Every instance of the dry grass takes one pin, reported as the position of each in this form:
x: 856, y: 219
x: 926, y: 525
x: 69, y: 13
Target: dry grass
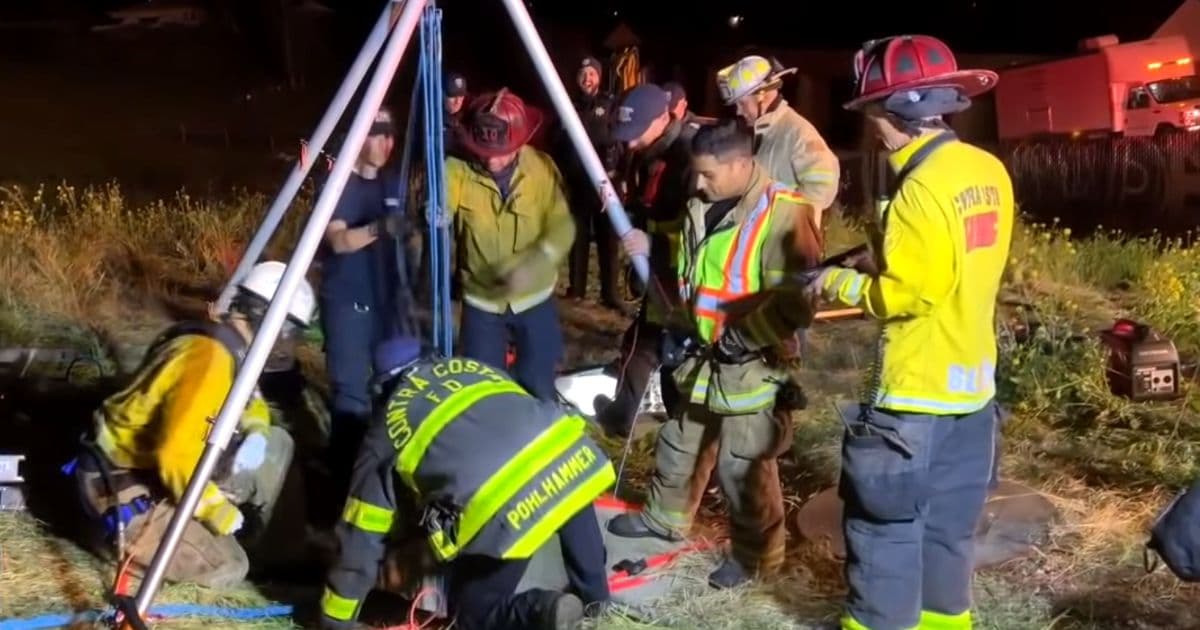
x: 85, y: 268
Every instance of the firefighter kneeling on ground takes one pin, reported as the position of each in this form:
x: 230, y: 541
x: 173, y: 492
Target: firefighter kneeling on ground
x: 149, y: 437
x: 488, y: 474
x: 746, y: 235
x: 917, y: 453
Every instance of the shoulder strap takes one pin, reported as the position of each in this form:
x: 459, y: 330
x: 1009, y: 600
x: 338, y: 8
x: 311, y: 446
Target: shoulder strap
x: 224, y: 334
x: 917, y: 158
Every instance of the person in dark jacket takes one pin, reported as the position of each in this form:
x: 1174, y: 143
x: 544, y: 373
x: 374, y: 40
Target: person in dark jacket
x: 594, y: 107
x: 659, y: 180
x: 488, y: 475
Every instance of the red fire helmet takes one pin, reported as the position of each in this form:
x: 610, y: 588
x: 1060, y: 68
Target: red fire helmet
x: 499, y: 123
x: 908, y: 62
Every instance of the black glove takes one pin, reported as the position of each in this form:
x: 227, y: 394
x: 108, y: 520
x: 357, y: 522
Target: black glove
x: 392, y: 224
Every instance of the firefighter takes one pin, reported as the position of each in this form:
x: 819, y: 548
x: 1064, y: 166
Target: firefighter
x: 594, y: 107
x: 743, y: 235
x: 660, y: 176
x: 917, y: 451
x: 147, y: 439
x: 787, y: 145
x: 512, y: 229
x: 487, y: 475
x: 679, y: 110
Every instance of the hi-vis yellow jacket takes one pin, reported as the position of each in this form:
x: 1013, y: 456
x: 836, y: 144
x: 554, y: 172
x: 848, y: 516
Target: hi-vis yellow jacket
x: 494, y: 234
x: 946, y: 235
x: 161, y: 420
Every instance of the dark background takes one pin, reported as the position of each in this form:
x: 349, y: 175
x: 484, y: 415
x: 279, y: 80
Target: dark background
x: 226, y: 104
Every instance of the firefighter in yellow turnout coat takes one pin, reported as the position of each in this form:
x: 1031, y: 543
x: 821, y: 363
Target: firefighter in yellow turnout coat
x: 917, y: 452
x: 748, y: 235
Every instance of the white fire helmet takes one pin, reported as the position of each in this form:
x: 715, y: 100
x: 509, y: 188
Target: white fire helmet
x: 264, y: 279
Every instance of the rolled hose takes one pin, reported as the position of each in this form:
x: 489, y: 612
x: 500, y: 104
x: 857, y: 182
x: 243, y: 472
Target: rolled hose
x: 169, y: 610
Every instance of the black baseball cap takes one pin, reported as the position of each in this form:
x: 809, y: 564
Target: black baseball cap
x: 640, y: 107
x: 455, y: 85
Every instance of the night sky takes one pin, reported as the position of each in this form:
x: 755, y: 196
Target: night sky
x: 1032, y: 26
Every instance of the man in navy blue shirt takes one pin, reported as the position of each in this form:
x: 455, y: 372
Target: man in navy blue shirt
x: 360, y: 281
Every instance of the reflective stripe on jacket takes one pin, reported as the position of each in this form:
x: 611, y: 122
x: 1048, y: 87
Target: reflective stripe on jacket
x: 494, y: 235
x: 945, y: 242
x: 795, y: 155
x: 160, y: 421
x: 769, y: 234
x: 496, y: 471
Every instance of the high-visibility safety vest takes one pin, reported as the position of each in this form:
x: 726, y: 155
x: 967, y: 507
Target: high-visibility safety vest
x: 944, y: 244
x: 493, y: 471
x: 750, y: 250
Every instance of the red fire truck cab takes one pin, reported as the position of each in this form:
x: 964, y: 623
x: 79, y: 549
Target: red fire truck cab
x: 1140, y: 88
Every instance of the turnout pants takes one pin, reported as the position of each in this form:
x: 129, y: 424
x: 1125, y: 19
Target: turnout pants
x: 910, y: 519
x: 482, y: 589
x: 203, y: 557
x: 746, y: 470
x: 591, y: 224
x: 536, y: 333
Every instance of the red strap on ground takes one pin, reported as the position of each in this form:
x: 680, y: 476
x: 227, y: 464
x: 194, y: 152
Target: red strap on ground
x: 622, y: 581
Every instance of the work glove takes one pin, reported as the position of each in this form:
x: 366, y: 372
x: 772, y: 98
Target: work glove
x: 519, y: 280
x: 251, y: 453
x: 392, y: 224
x: 814, y: 284
x: 239, y: 520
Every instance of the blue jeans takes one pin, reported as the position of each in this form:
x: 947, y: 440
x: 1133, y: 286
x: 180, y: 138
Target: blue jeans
x: 910, y: 517
x: 536, y: 333
x: 482, y: 588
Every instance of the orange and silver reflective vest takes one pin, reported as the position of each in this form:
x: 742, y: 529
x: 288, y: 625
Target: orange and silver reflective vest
x: 768, y: 234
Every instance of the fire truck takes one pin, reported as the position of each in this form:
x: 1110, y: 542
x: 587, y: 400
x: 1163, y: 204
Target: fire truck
x: 1140, y: 88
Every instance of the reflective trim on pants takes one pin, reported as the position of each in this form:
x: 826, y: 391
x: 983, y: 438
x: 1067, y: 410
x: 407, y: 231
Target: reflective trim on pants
x: 910, y: 517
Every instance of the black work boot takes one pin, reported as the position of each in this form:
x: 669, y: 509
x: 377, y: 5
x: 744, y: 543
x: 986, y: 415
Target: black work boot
x: 610, y: 418
x: 563, y: 611
x: 634, y: 526
x: 729, y: 575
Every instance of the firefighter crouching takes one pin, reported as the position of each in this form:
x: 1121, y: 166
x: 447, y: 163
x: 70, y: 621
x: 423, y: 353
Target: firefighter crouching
x: 148, y: 438
x: 917, y: 453
x: 746, y: 235
x: 494, y: 473
x: 787, y: 145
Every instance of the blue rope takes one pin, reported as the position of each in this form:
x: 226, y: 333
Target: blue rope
x: 169, y: 610
x: 435, y: 156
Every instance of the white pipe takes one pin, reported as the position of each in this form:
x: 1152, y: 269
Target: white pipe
x: 316, y: 144
x: 256, y: 356
x: 570, y: 119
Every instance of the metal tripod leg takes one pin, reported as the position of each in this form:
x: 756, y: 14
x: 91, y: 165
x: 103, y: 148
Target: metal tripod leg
x: 256, y: 356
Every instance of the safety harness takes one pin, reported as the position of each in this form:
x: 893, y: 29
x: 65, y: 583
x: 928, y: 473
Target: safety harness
x: 117, y: 517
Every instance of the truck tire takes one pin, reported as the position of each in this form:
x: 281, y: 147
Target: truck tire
x: 1163, y: 130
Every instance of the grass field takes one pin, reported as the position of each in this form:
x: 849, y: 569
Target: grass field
x: 87, y: 269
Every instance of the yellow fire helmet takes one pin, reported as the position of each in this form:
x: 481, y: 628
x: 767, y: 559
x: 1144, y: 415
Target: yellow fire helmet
x: 749, y: 75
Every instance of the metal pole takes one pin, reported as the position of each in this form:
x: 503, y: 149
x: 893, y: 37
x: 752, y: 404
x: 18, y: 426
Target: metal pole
x: 260, y: 347
x: 316, y: 143
x: 570, y: 119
